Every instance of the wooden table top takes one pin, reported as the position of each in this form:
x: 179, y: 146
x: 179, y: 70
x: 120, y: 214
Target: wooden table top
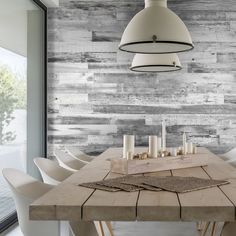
x: 68, y: 201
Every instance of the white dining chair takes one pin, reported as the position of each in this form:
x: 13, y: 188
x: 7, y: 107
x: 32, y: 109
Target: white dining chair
x: 51, y: 172
x: 78, y: 154
x: 68, y: 162
x: 25, y: 190
x: 208, y: 226
x: 229, y: 229
x: 229, y: 156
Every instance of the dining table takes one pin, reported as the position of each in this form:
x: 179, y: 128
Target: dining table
x: 83, y: 206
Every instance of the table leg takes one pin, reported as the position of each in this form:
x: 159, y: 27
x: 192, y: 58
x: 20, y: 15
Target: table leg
x: 100, y: 226
x: 109, y: 226
x: 199, y: 225
x: 213, y: 231
x: 82, y: 228
x: 205, y: 229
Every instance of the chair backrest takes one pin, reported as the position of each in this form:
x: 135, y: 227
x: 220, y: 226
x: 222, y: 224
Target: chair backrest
x: 67, y: 161
x: 50, y: 171
x: 77, y: 153
x: 231, y: 155
x: 25, y: 190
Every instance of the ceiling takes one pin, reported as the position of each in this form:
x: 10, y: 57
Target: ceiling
x: 13, y: 23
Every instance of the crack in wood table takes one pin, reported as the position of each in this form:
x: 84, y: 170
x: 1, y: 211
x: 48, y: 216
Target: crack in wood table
x: 82, y: 206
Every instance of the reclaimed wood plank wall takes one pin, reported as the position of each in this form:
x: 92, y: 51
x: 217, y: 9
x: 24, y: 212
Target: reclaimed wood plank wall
x: 94, y: 99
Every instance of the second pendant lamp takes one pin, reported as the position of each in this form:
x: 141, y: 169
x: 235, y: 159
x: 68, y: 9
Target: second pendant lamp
x: 156, y: 30
x: 155, y: 63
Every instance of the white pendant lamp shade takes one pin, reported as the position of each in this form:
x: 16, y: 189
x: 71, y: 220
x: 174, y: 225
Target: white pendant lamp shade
x: 155, y: 63
x: 156, y: 29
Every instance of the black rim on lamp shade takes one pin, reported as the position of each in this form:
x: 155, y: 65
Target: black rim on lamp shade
x: 155, y: 62
x: 191, y: 46
x: 138, y: 68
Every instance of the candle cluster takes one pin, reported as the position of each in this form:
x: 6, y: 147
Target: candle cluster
x: 157, y: 146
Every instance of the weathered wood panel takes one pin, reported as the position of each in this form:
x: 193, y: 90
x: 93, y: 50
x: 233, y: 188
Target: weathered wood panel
x: 94, y: 98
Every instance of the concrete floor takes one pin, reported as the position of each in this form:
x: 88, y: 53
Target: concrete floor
x: 141, y: 229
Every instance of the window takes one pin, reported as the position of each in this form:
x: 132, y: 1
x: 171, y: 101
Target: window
x: 22, y: 92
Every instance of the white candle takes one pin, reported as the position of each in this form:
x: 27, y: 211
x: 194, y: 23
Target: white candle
x: 185, y: 148
x: 163, y: 135
x: 158, y: 144
x: 128, y: 144
x: 190, y: 148
x: 153, y: 146
x: 173, y: 152
x: 194, y: 149
x: 184, y: 143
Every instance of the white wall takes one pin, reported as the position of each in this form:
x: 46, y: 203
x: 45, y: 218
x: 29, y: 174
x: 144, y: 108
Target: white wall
x: 13, y: 23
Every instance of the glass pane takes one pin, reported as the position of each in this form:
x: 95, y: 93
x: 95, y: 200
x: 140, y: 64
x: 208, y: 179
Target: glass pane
x: 19, y: 20
x: 12, y: 120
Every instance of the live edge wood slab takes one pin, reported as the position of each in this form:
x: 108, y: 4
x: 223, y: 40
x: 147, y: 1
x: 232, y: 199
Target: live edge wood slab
x: 68, y: 201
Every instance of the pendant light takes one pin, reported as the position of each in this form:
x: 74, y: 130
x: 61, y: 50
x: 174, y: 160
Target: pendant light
x: 155, y: 63
x: 156, y: 29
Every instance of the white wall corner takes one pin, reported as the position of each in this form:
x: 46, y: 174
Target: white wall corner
x: 50, y: 3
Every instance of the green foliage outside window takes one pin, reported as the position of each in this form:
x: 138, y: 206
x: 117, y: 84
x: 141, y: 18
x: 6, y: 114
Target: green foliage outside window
x: 12, y: 96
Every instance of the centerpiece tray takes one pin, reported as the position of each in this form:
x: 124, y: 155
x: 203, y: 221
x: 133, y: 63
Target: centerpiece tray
x: 124, y: 166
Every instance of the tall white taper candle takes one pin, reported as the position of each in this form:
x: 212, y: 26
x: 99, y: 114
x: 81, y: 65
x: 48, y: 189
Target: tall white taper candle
x: 153, y: 146
x: 190, y: 147
x: 128, y: 144
x: 184, y: 143
x: 173, y: 152
x: 163, y: 135
x: 158, y: 144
